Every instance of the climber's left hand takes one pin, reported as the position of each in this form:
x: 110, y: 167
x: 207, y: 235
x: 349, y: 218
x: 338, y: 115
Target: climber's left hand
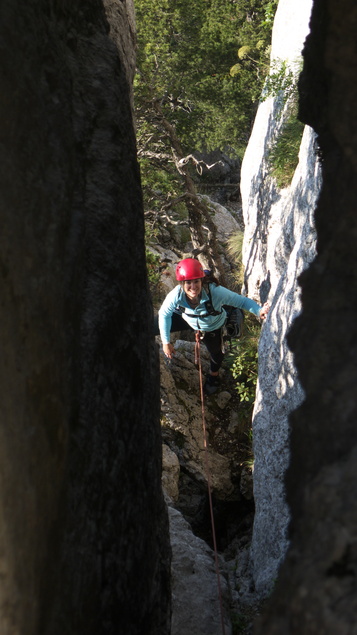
x: 264, y: 311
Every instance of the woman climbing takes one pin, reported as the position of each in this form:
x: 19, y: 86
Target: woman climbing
x: 190, y: 305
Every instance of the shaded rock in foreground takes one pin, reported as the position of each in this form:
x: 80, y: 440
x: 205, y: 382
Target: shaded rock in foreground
x: 195, y: 597
x: 83, y: 527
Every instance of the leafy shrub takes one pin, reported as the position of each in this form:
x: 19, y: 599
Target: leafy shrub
x: 244, y: 370
x: 153, y: 268
x: 281, y: 81
x: 244, y: 363
x: 284, y: 154
x: 269, y: 11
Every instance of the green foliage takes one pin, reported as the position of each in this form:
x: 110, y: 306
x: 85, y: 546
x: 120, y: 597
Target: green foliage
x: 152, y: 267
x: 234, y: 249
x: 282, y: 80
x: 150, y: 235
x: 244, y: 363
x: 235, y: 245
x: 284, y: 153
x: 269, y: 12
x: 244, y: 370
x: 244, y: 52
x: 185, y: 51
x: 243, y: 358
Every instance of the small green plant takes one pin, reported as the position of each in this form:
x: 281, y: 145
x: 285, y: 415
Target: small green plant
x: 244, y: 370
x: 269, y: 13
x: 284, y: 154
x: 281, y: 81
x: 244, y: 366
x: 152, y: 267
x: 235, y: 243
x: 234, y: 249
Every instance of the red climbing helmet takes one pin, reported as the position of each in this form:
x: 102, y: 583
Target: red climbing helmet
x: 189, y: 269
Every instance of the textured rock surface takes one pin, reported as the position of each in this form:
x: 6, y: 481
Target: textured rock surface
x: 182, y: 415
x: 279, y: 390
x: 266, y: 209
x: 316, y: 591
x: 170, y: 473
x: 279, y: 243
x: 195, y: 596
x: 83, y: 529
x: 226, y: 223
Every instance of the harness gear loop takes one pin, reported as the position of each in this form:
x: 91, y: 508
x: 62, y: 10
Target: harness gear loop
x: 234, y: 322
x: 198, y: 337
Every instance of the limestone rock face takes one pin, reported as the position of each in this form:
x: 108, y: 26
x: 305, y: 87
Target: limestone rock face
x: 279, y: 243
x: 316, y: 589
x: 83, y: 527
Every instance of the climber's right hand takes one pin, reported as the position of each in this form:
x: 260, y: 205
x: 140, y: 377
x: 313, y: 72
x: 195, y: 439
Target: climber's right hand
x: 168, y: 350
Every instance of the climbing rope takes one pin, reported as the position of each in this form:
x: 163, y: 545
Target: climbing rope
x: 205, y: 445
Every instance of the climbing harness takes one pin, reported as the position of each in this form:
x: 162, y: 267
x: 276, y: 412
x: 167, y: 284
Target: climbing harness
x: 233, y: 326
x: 210, y: 310
x: 198, y: 337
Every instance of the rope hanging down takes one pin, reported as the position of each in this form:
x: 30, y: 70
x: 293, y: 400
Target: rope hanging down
x: 205, y: 445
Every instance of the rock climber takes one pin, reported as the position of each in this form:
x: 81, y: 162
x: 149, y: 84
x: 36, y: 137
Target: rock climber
x: 185, y: 307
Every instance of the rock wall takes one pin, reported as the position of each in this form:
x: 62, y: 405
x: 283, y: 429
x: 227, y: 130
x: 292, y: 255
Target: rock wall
x: 188, y: 463
x: 196, y: 605
x: 279, y: 243
x: 83, y: 527
x: 316, y: 590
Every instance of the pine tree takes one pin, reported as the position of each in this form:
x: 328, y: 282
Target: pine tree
x: 200, y: 71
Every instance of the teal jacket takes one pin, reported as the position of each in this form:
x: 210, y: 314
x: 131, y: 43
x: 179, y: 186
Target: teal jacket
x: 195, y: 317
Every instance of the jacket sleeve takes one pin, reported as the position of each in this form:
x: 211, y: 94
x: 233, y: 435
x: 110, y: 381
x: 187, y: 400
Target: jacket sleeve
x: 230, y: 298
x: 165, y: 314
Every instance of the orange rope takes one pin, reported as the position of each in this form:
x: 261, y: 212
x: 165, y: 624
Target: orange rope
x: 205, y: 445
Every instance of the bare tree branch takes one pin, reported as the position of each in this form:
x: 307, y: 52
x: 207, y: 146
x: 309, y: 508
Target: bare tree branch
x: 196, y: 208
x: 197, y: 163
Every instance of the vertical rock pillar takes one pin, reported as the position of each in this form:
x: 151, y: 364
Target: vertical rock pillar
x: 83, y: 528
x: 316, y: 589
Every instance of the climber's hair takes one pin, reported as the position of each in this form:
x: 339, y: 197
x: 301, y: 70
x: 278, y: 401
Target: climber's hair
x: 209, y: 277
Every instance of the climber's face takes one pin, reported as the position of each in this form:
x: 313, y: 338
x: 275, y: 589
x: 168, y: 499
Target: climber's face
x: 193, y: 288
